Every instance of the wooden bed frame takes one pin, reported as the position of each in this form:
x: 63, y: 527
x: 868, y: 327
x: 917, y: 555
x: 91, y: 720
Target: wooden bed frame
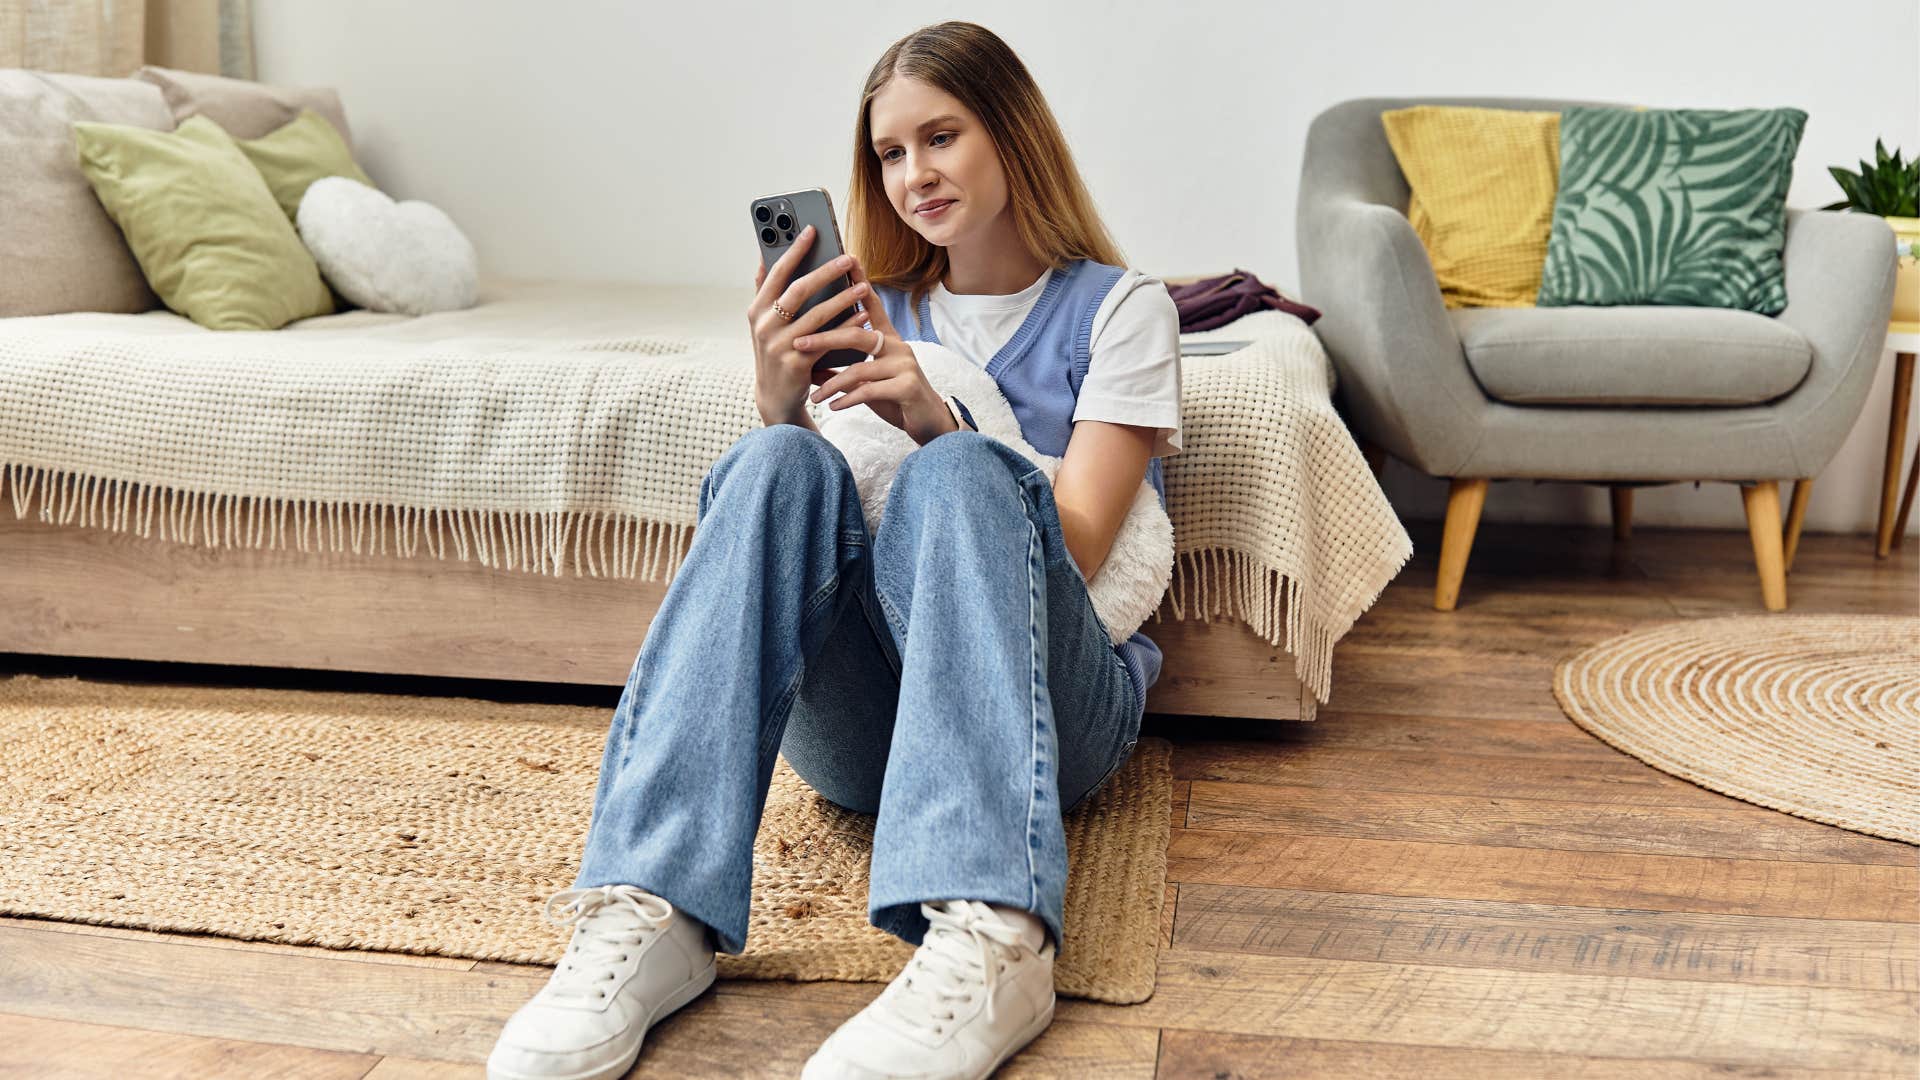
x: 91, y: 592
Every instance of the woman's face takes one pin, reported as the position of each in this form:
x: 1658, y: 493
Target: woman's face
x: 935, y: 153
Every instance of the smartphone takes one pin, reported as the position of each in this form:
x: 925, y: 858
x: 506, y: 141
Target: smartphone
x: 777, y: 221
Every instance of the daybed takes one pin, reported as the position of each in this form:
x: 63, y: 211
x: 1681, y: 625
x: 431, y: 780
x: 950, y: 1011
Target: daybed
x: 474, y: 493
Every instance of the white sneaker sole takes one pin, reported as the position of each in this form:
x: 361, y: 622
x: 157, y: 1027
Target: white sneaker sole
x: 691, y: 989
x: 1027, y: 1035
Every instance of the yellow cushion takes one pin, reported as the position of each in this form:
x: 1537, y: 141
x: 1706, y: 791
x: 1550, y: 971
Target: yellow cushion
x: 296, y: 154
x: 1483, y: 183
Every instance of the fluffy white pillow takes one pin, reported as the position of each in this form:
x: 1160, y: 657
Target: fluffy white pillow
x: 386, y: 256
x: 1130, y: 583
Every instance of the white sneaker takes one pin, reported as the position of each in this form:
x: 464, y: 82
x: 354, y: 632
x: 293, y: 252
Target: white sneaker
x: 633, y: 959
x: 972, y: 995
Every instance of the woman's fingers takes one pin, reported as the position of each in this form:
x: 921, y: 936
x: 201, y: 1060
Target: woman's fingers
x: 874, y: 391
x: 798, y: 293
x: 851, y: 376
x: 824, y: 312
x: 775, y: 281
x: 875, y: 312
x: 851, y: 336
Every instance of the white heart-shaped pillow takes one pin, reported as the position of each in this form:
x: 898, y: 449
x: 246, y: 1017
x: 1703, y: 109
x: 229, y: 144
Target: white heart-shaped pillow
x: 384, y: 255
x: 1129, y: 585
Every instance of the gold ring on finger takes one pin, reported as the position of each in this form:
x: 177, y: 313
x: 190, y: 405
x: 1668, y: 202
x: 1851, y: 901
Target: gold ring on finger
x: 782, y: 312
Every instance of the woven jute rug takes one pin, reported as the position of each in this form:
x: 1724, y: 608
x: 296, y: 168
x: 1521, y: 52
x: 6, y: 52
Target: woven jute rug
x: 440, y: 826
x: 1814, y: 715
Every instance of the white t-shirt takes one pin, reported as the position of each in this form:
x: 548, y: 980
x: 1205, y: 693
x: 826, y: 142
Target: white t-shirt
x: 1133, y: 374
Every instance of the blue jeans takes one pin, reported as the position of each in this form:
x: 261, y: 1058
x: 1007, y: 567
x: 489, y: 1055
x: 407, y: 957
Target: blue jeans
x: 946, y: 673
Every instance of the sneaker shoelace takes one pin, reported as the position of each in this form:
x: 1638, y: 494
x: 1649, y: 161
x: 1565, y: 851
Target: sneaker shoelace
x: 957, y: 956
x: 608, y: 921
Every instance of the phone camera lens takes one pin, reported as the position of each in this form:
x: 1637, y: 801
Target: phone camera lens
x: 783, y: 222
x: 761, y: 214
x: 769, y: 237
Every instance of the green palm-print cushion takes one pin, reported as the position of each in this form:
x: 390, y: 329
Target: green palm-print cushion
x: 1671, y: 206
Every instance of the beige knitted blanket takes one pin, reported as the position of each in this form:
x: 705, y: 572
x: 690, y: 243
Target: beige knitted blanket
x: 586, y: 457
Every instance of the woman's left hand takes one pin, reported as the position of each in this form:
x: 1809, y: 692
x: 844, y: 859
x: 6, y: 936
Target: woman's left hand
x: 891, y: 384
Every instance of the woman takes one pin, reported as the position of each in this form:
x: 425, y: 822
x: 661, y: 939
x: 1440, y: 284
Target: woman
x: 946, y: 672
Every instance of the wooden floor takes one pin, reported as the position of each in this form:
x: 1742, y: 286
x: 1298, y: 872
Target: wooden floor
x: 1442, y: 877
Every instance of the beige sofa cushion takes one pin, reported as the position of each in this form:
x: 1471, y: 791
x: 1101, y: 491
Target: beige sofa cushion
x: 247, y: 110
x: 59, y: 251
x: 1653, y: 354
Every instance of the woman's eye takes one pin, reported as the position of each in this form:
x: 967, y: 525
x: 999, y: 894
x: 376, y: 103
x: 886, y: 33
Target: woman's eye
x: 888, y: 156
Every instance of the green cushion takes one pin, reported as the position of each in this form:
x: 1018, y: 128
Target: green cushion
x: 206, y: 230
x: 296, y: 154
x: 1672, y: 206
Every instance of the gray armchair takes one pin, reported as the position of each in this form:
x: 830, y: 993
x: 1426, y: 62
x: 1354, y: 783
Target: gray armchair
x: 1621, y: 396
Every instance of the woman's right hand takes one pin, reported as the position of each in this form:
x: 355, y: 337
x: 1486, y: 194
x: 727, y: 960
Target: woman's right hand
x: 782, y: 374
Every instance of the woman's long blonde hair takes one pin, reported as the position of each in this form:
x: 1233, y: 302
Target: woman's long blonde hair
x: 1052, y: 212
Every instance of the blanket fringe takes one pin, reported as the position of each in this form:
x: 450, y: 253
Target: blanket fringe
x: 1223, y: 581
x: 587, y: 543
x: 1206, y: 581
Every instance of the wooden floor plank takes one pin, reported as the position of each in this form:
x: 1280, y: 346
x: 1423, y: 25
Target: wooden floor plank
x: 518, y: 971
x: 1713, y: 600
x: 1510, y: 618
x: 1206, y: 1055
x: 299, y: 1000
x: 1486, y: 1009
x: 1538, y: 876
x: 315, y: 1001
x: 1728, y: 829
x: 1351, y: 729
x: 751, y: 1036
x: 405, y: 1068
x: 1775, y: 950
x: 214, y: 941
x: 1615, y: 781
x: 1391, y: 679
x: 1829, y: 560
x: 45, y: 1049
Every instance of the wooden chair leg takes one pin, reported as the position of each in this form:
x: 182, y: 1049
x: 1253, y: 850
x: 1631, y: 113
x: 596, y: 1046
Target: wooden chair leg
x: 1622, y: 513
x: 1906, y: 504
x: 1464, y: 502
x: 1763, y: 525
x: 1796, y: 516
x: 1896, y: 448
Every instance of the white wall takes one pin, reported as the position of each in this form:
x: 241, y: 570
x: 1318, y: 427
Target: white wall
x: 601, y: 139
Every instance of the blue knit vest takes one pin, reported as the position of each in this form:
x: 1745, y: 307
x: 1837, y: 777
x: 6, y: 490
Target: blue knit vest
x: 1039, y: 371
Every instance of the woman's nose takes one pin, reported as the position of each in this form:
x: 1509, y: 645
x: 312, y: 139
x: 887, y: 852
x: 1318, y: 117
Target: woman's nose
x: 921, y: 173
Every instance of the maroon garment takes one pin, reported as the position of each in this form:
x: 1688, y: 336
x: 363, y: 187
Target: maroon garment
x: 1217, y: 301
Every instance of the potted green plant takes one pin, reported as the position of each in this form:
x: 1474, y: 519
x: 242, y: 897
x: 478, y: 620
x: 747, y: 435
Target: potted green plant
x: 1890, y: 188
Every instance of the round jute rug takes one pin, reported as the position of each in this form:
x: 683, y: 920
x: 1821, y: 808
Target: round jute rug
x: 440, y: 825
x: 1814, y: 715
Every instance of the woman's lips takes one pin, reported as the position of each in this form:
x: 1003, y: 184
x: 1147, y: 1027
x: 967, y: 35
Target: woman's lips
x: 937, y: 210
